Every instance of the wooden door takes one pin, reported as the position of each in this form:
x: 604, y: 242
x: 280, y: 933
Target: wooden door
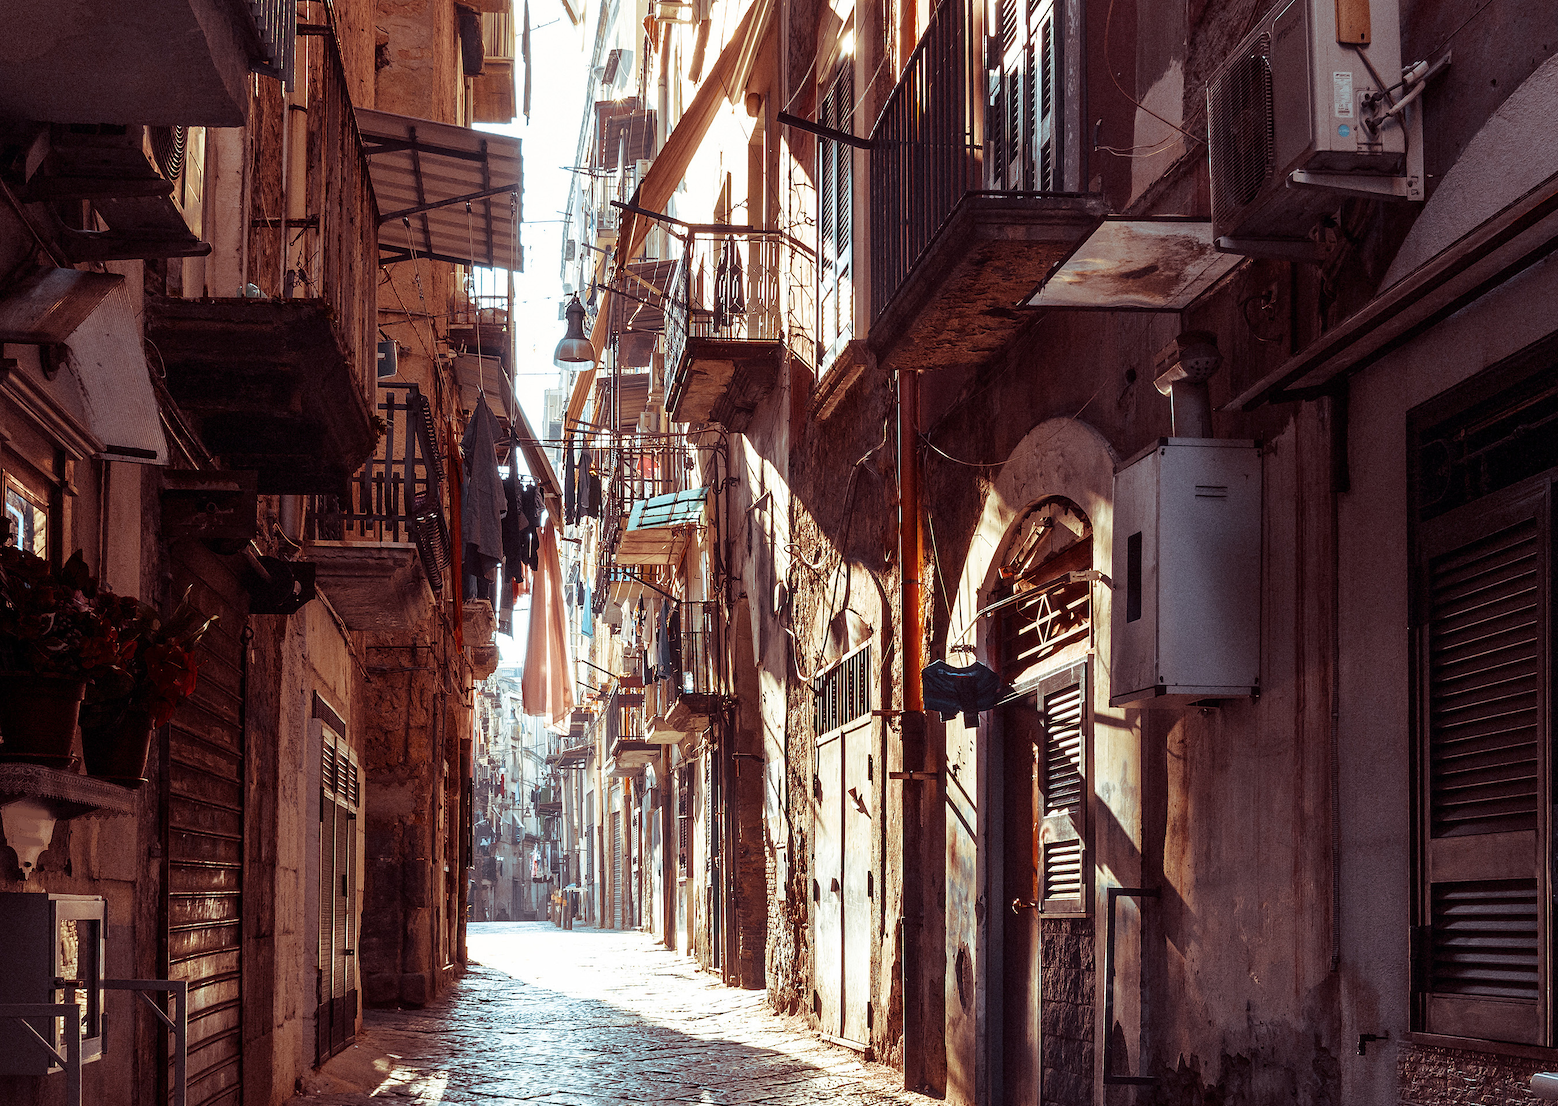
x: 202, y: 786
x: 1021, y: 744
x: 335, y: 1015
x: 827, y: 890
x: 856, y: 800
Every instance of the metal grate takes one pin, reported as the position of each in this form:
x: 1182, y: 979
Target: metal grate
x: 1485, y: 939
x: 1484, y: 670
x: 1243, y: 130
x: 843, y: 693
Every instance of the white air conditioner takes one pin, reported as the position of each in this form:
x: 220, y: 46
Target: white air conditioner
x: 1295, y: 116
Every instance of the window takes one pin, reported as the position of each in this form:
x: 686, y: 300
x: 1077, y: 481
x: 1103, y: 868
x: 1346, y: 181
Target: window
x: 843, y: 693
x: 1483, y: 630
x: 339, y: 796
x: 835, y: 218
x: 27, y: 516
x: 1022, y: 128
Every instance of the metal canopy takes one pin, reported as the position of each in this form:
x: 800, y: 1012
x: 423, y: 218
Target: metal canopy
x: 1157, y: 264
x: 676, y: 509
x: 428, y: 174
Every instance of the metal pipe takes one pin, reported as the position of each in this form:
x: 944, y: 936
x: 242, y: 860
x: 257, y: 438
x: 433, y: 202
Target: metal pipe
x: 912, y: 756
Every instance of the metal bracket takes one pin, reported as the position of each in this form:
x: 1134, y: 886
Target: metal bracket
x: 176, y: 1023
x: 1110, y: 1079
x: 914, y: 775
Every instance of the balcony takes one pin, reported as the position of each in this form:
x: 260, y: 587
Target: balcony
x: 165, y: 62
x: 690, y: 697
x: 284, y: 386
x: 724, y: 327
x: 492, y: 91
x: 382, y: 550
x: 958, y: 238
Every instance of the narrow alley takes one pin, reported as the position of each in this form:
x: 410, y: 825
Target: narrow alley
x: 592, y: 1018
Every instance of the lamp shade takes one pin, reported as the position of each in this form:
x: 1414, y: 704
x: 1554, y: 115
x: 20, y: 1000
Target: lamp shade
x: 575, y: 348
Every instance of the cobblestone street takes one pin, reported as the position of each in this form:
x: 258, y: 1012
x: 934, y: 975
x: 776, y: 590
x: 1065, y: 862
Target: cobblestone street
x: 592, y: 1018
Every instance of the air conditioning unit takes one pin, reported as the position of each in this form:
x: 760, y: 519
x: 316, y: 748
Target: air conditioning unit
x: 1296, y: 114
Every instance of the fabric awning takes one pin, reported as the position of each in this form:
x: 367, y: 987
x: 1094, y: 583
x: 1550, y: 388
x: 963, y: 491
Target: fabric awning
x: 104, y: 391
x: 427, y: 173
x: 669, y: 167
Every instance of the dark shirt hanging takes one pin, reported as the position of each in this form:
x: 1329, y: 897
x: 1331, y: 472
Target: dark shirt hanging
x: 673, y: 633
x: 570, y: 489
x: 965, y: 691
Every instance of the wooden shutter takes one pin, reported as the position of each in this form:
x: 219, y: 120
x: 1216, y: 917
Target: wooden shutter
x: 1062, y: 768
x: 1023, y: 110
x: 335, y: 1016
x: 1483, y: 637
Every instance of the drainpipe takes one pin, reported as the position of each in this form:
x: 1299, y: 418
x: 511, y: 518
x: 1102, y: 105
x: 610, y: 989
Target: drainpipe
x: 294, y: 172
x: 1184, y: 367
x: 916, y: 1027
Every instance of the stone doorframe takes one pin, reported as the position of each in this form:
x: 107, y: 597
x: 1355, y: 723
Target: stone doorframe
x: 1058, y: 457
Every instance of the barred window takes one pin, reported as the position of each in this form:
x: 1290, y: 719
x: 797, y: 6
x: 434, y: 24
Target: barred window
x: 843, y: 693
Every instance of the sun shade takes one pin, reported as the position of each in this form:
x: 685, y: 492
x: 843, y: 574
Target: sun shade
x: 427, y: 173
x: 1159, y: 264
x: 677, y: 509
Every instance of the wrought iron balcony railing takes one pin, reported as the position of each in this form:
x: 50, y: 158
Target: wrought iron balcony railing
x: 726, y: 287
x: 395, y: 497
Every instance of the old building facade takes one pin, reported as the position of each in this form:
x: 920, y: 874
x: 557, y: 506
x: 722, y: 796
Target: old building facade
x: 1253, y: 807
x: 244, y: 332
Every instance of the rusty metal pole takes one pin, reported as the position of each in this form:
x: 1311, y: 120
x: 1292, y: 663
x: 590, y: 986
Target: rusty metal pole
x: 912, y: 731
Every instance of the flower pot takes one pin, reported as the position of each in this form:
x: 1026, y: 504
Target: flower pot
x: 38, y: 718
x: 117, y: 750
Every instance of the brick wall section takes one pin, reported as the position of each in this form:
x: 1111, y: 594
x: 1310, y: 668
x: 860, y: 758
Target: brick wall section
x: 1067, y: 978
x: 1451, y: 1076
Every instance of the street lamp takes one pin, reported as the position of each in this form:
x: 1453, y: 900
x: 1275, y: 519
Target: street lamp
x: 575, y: 350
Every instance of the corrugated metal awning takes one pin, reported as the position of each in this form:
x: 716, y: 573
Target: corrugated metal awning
x: 427, y: 174
x: 676, y: 509
x: 1160, y: 263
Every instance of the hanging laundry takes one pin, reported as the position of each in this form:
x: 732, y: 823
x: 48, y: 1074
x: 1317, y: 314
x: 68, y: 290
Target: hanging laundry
x: 547, y: 683
x: 516, y: 522
x: 570, y: 485
x: 965, y: 691
x: 594, y: 496
x: 482, y: 504
x: 673, y: 633
x: 586, y: 613
x: 663, y: 641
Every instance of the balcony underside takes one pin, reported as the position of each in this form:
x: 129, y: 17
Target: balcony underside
x: 268, y: 387
x: 160, y: 62
x: 722, y: 380
x: 629, y: 756
x: 373, y: 585
x: 959, y: 304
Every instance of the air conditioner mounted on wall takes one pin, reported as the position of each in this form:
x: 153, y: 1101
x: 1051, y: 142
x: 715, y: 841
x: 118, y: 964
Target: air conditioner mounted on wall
x: 1297, y: 114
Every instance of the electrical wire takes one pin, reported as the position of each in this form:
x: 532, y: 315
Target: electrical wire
x: 1108, y: 23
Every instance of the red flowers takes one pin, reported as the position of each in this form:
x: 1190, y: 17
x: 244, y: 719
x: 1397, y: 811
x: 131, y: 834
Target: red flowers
x: 61, y: 624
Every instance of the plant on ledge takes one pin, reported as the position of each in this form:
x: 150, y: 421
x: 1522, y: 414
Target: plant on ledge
x: 62, y: 637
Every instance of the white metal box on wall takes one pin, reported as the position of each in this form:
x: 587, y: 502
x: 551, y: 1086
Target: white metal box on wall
x: 54, y: 954
x: 1186, y: 573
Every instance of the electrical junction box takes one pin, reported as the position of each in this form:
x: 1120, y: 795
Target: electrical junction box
x: 1186, y: 573
x: 54, y: 953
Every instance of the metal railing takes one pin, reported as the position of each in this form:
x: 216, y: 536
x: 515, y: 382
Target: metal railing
x: 726, y: 286
x: 395, y: 497
x: 274, y: 24
x: 925, y: 155
x: 701, y: 647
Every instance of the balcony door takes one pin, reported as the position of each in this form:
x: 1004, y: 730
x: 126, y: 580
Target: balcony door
x: 1022, y: 132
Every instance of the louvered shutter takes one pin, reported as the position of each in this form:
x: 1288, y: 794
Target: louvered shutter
x: 1484, y: 626
x: 835, y: 217
x: 1061, y: 776
x: 1021, y: 132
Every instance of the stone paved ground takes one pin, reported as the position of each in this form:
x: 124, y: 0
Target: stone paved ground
x: 592, y: 1018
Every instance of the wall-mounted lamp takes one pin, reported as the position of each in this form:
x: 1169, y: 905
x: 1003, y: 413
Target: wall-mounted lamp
x: 575, y: 350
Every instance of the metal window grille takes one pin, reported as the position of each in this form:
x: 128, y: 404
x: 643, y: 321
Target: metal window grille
x: 843, y: 693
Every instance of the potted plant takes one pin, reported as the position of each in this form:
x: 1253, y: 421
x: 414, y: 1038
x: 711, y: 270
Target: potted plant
x: 45, y: 619
x: 142, y: 666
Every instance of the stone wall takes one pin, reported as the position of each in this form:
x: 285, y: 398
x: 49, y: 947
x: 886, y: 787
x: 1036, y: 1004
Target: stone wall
x: 1452, y: 1076
x: 1067, y: 979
